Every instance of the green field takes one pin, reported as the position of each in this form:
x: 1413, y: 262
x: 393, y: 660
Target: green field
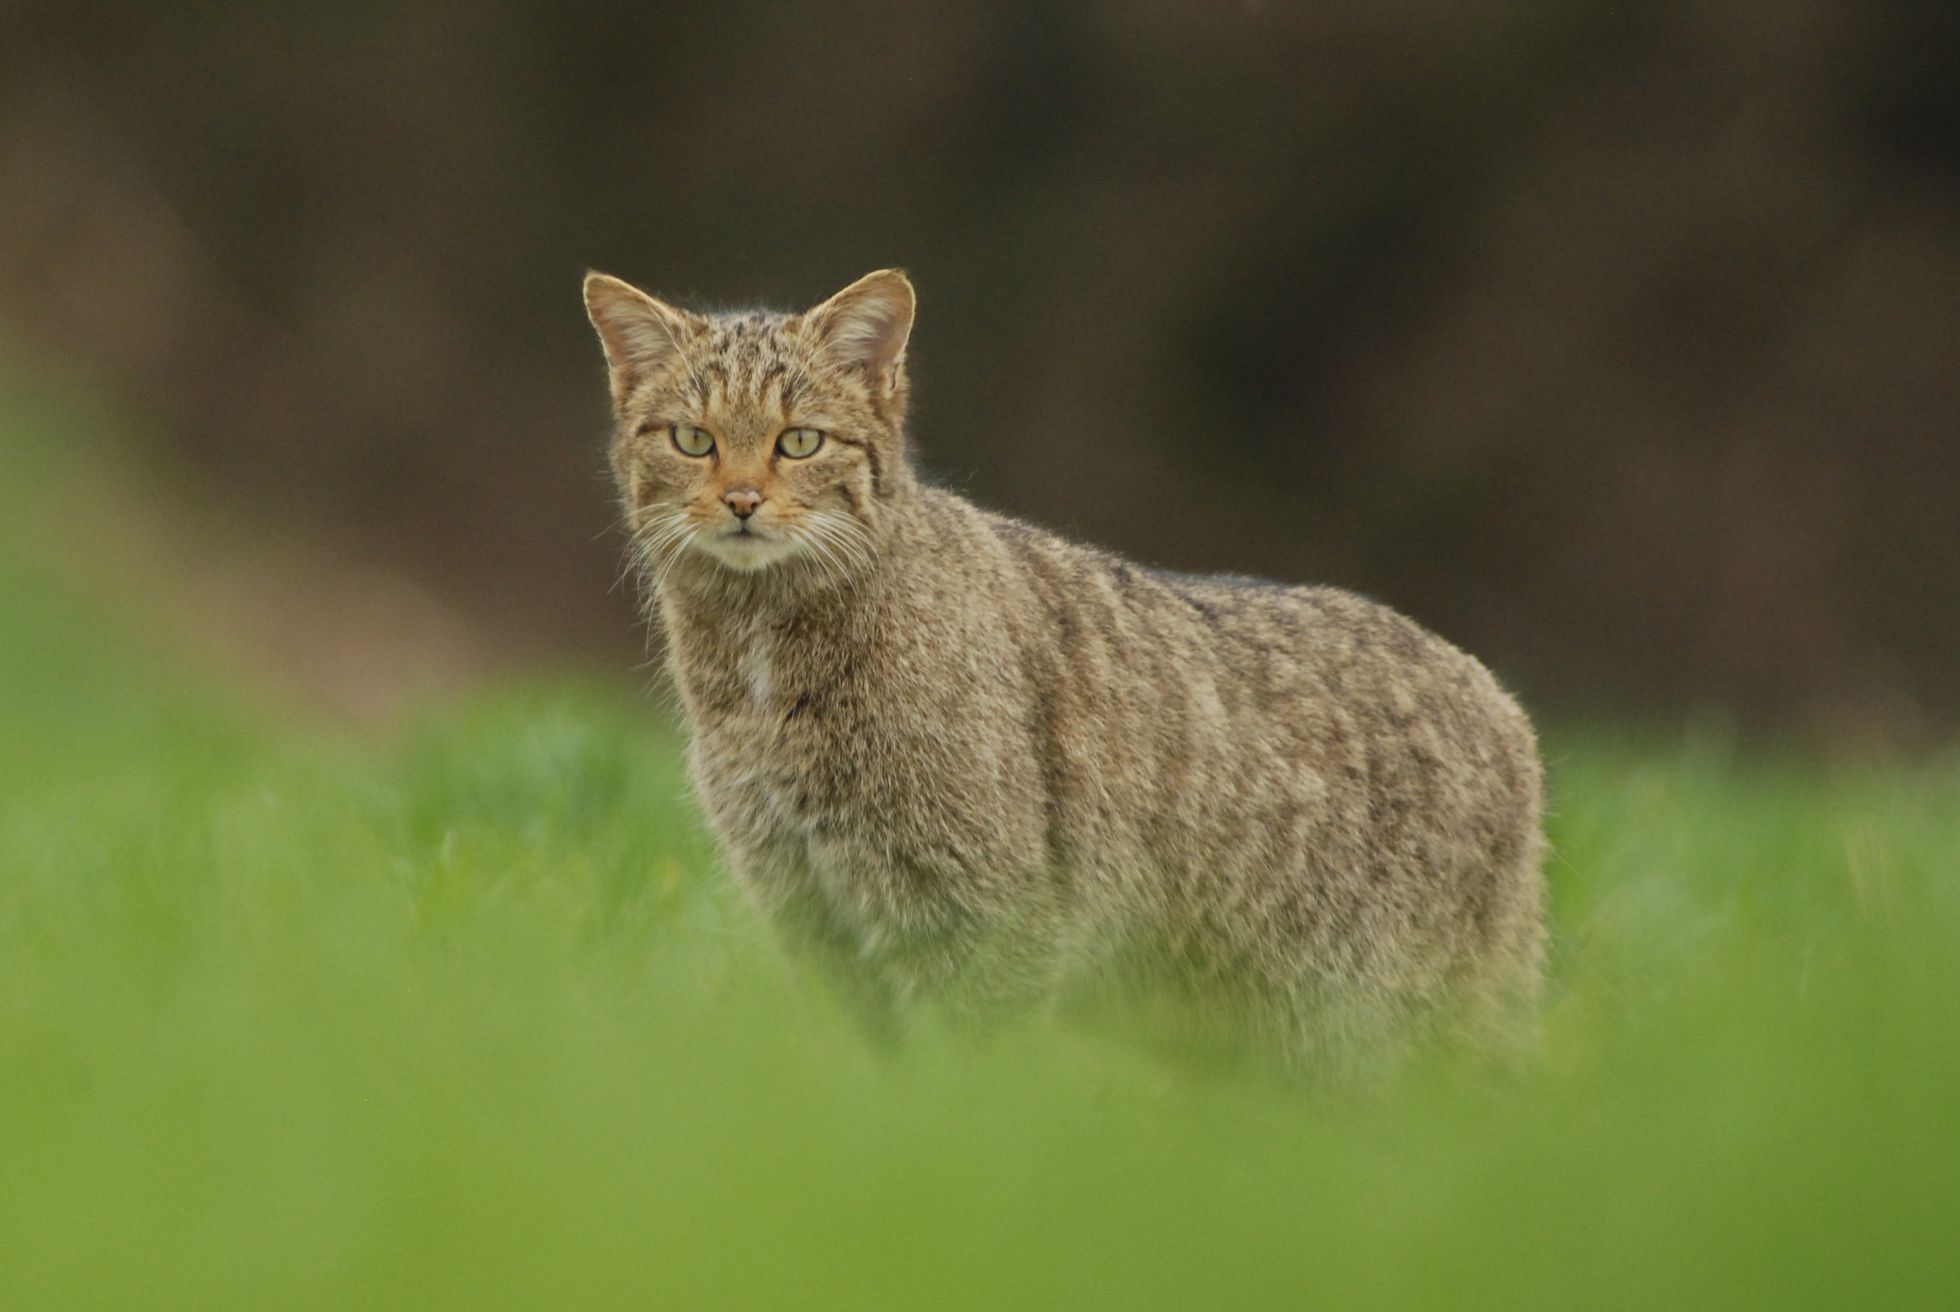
x: 463, y: 1016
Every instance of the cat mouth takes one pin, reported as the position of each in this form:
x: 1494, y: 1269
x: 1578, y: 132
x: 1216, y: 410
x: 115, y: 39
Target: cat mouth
x: 745, y: 547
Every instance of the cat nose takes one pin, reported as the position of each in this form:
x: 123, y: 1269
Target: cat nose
x: 742, y: 500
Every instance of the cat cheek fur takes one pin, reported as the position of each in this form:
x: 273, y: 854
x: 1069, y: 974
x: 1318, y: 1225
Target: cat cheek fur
x: 964, y: 760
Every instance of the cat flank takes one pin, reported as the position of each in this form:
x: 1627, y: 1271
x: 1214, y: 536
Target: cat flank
x: 964, y: 761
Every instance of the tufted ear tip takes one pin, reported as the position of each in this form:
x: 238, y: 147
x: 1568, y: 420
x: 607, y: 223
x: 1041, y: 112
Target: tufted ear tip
x: 608, y: 298
x: 893, y: 281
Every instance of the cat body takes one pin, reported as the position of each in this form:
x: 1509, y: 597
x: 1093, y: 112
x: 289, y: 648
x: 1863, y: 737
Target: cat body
x: 966, y: 761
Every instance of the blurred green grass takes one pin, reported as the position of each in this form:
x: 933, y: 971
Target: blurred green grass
x: 465, y: 1017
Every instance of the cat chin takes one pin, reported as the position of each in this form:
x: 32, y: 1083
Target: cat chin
x: 748, y: 553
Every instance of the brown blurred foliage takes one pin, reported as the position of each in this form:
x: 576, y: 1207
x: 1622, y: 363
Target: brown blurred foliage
x: 1620, y: 343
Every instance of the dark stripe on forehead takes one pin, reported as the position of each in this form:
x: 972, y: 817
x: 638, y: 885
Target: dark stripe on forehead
x: 796, y: 386
x: 771, y: 374
x: 747, y: 377
x: 744, y: 359
x: 754, y: 324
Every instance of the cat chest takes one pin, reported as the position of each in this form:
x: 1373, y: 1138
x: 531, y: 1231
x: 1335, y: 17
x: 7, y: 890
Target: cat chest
x: 730, y: 687
x: 782, y: 810
x: 755, y: 670
x: 775, y: 762
x: 751, y: 672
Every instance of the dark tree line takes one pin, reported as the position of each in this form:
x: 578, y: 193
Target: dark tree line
x: 1621, y: 343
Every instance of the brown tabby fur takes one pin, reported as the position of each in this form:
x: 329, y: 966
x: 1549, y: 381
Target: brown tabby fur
x: 967, y: 760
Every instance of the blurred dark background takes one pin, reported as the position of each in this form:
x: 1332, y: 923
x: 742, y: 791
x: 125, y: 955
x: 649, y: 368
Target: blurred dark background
x: 1620, y: 343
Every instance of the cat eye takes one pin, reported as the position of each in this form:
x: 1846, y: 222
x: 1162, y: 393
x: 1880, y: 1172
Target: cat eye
x: 692, y: 441
x: 800, y: 442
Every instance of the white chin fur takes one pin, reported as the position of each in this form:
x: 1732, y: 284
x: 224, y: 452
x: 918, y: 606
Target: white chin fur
x: 747, y: 552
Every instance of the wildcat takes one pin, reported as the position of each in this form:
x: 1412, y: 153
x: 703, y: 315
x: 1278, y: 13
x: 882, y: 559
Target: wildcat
x: 963, y: 760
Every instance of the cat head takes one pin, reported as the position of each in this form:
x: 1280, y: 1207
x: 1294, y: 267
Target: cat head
x: 751, y: 442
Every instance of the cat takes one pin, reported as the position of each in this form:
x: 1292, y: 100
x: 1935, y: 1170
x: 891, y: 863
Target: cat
x: 967, y: 762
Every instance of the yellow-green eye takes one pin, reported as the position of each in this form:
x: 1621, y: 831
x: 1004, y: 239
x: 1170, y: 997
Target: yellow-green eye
x: 800, y: 442
x: 692, y: 441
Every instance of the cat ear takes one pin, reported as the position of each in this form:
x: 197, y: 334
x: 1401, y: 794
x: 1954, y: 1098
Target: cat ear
x: 866, y: 325
x: 640, y: 334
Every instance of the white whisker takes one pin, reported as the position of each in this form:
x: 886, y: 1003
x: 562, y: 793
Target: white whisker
x: 844, y: 557
x: 820, y: 549
x: 847, y: 535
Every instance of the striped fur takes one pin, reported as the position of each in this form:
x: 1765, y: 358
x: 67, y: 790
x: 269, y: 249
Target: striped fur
x: 962, y: 759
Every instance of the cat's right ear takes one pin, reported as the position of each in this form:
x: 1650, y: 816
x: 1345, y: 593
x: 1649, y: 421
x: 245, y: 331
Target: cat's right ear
x: 641, y: 336
x: 865, y: 327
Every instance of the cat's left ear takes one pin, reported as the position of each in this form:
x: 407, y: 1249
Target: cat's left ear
x: 866, y: 326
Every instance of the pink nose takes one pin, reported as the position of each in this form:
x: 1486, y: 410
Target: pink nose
x: 742, y: 500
